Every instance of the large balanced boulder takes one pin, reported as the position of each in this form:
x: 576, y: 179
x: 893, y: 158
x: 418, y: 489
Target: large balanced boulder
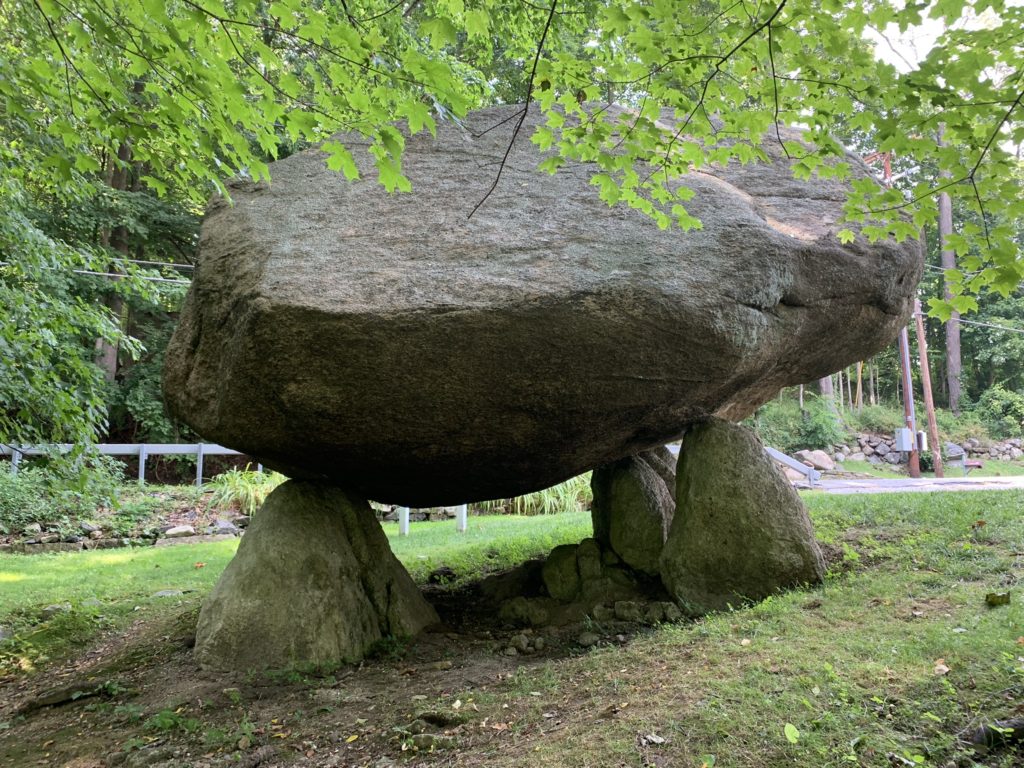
x: 740, y: 532
x: 394, y: 346
x: 313, y: 583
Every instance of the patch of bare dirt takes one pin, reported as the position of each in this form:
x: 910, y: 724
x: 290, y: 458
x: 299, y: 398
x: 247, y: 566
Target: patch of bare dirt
x: 142, y: 701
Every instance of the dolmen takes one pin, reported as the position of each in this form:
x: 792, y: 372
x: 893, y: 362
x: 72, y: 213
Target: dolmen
x: 385, y: 346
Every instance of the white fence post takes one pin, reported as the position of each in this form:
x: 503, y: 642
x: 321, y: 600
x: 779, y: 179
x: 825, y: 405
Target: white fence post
x: 199, y: 464
x: 403, y: 521
x: 461, y: 517
x: 142, y: 464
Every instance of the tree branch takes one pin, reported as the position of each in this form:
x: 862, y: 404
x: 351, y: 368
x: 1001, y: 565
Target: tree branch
x: 525, y: 110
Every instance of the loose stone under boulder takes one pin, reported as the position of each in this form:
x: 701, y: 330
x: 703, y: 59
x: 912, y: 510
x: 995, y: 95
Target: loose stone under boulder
x: 633, y: 507
x: 740, y: 532
x: 314, y: 582
x: 576, y: 581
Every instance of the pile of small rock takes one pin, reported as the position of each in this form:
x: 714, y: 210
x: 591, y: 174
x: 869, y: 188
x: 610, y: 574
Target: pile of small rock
x: 874, y: 449
x: 37, y: 538
x: 1005, y: 450
x: 879, y: 449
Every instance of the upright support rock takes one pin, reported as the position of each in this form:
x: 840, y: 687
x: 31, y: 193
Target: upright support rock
x: 740, y: 531
x: 314, y: 582
x: 633, y: 506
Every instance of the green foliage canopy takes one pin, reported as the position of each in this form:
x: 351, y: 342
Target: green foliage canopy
x: 199, y: 90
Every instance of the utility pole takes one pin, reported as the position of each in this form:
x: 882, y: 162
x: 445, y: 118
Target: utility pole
x: 926, y: 385
x: 914, y: 464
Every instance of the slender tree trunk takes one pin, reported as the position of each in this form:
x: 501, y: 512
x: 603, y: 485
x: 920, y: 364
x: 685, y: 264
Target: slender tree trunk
x: 948, y: 256
x: 117, y: 238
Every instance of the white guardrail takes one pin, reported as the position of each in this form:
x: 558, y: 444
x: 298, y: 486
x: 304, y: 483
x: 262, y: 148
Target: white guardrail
x: 199, y: 450
x: 142, y: 450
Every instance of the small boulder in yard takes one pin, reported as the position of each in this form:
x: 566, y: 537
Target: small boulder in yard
x: 740, y: 532
x: 817, y: 459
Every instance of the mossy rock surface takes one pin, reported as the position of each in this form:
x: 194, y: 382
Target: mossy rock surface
x: 314, y: 583
x: 740, y: 532
x: 632, y: 509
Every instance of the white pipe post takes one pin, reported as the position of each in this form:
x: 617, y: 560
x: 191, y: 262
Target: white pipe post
x: 461, y: 515
x: 199, y: 465
x: 142, y: 464
x: 15, y: 459
x: 403, y: 521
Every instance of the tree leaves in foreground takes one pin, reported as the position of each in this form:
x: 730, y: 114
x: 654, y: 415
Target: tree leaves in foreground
x: 205, y: 88
x: 190, y: 92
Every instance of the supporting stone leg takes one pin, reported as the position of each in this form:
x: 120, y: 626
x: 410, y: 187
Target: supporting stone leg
x: 314, y: 582
x: 740, y: 531
x: 633, y: 507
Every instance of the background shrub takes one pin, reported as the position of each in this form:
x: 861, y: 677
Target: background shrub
x: 782, y: 425
x: 1002, y: 411
x: 52, y: 489
x: 22, y: 499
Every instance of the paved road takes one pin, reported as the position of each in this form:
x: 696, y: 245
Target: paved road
x: 922, y: 485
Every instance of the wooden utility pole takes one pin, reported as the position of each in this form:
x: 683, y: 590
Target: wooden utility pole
x: 926, y: 385
x: 860, y: 387
x: 914, y: 463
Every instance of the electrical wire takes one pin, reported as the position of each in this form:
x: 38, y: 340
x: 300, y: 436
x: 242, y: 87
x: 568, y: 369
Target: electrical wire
x: 114, y: 274
x: 171, y: 264
x: 990, y: 325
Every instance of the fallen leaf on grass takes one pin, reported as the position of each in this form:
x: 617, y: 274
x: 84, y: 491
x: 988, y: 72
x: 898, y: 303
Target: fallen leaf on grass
x: 281, y: 735
x: 940, y: 667
x: 352, y: 738
x: 199, y: 565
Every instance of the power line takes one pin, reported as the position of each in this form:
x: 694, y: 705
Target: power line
x: 114, y: 274
x: 990, y: 325
x: 158, y: 263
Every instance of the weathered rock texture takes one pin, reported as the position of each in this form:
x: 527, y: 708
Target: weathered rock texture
x: 576, y: 581
x: 390, y: 344
x: 313, y: 582
x: 633, y: 507
x: 740, y: 531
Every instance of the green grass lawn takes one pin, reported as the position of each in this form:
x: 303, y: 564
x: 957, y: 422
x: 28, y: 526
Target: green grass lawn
x: 106, y: 587
x: 888, y: 663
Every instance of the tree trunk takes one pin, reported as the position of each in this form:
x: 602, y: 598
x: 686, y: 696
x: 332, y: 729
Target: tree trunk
x: 119, y: 177
x: 953, y: 362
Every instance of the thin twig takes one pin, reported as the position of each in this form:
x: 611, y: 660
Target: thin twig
x: 775, y: 88
x: 707, y: 84
x: 525, y: 110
